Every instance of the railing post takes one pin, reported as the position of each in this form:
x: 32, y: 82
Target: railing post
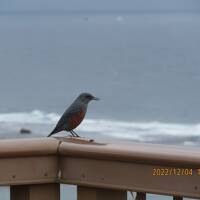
x: 49, y: 191
x: 177, y: 198
x: 85, y: 193
x: 140, y: 196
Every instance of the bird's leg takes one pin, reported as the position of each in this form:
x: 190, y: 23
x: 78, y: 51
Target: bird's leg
x: 72, y: 134
x: 75, y: 133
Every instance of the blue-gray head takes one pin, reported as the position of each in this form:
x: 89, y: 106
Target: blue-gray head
x: 86, y: 98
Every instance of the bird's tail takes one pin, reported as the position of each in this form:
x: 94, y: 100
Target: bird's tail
x: 53, y: 132
x: 50, y: 134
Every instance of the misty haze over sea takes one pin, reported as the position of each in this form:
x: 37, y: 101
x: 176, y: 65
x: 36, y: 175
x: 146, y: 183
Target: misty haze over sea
x: 144, y: 67
x: 143, y: 62
x: 140, y: 57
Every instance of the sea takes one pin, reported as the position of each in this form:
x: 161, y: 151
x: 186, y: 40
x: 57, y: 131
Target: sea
x: 143, y: 65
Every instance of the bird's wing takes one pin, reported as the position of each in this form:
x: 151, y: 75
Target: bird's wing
x: 62, y: 123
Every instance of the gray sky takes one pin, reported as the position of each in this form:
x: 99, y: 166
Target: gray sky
x: 18, y: 5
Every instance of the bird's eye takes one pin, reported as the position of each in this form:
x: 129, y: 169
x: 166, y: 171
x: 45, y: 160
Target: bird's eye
x: 88, y: 96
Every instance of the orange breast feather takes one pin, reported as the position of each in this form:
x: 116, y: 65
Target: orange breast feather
x: 75, y: 120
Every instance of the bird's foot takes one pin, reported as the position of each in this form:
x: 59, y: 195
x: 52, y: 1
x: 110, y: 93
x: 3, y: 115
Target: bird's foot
x: 74, y: 133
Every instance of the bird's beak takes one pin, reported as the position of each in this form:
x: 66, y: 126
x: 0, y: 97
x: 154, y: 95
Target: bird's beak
x: 95, y: 98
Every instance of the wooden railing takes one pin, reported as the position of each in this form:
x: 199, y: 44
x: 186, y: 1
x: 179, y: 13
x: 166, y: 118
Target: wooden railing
x: 34, y: 169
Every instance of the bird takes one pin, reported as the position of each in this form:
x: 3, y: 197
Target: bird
x: 74, y: 115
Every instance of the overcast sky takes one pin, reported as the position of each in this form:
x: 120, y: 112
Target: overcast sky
x: 13, y: 5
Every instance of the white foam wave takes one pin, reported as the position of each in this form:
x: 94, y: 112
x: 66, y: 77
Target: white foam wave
x: 34, y: 117
x: 141, y: 131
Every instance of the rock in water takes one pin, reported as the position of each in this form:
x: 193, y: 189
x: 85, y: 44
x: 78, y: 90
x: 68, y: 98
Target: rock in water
x: 25, y: 131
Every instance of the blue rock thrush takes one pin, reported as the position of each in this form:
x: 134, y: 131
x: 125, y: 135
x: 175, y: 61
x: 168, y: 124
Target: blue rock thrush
x: 74, y: 115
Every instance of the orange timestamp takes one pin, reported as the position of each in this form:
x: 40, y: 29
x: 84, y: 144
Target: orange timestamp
x: 172, y: 172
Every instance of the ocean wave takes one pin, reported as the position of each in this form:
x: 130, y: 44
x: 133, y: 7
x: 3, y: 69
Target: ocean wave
x: 139, y: 131
x: 34, y: 117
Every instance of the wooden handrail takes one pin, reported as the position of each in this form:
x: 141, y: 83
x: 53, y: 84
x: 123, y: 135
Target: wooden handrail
x: 28, y: 147
x: 138, y: 153
x: 141, y: 153
x: 108, y: 166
